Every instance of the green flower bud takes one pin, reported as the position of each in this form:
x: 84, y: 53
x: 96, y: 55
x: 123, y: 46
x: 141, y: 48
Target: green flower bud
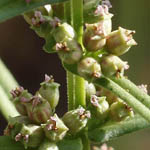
x: 30, y: 135
x: 15, y: 125
x: 76, y: 119
x: 49, y: 90
x: 113, y: 65
x: 120, y: 111
x: 99, y: 107
x: 62, y: 32
x: 111, y: 98
x: 96, y: 14
x: 55, y: 129
x: 90, y: 90
x: 89, y: 68
x: 17, y: 95
x: 47, y: 145
x: 39, y: 110
x: 120, y: 41
x: 70, y: 51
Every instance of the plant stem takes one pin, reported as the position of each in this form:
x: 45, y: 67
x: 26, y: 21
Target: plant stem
x: 7, y: 81
x: 70, y: 76
x: 111, y: 130
x: 6, y: 106
x: 133, y: 89
x: 124, y: 95
x: 77, y: 22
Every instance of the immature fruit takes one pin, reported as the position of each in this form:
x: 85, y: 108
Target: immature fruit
x: 49, y: 90
x: 76, y: 119
x: 55, y: 129
x: 47, y: 145
x: 17, y: 95
x: 120, y: 41
x: 63, y: 32
x: 99, y: 107
x: 39, y: 110
x: 89, y: 68
x: 113, y: 65
x: 120, y: 111
x: 30, y: 135
x: 70, y: 51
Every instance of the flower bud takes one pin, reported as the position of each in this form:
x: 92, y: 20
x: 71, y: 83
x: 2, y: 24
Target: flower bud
x: 39, y: 110
x: 70, y: 51
x: 120, y: 41
x: 62, y: 32
x: 99, y: 107
x: 15, y: 125
x: 17, y: 95
x: 89, y: 68
x: 90, y: 90
x: 55, y: 129
x: 49, y: 90
x: 120, y: 111
x: 113, y: 65
x: 76, y: 119
x: 30, y: 135
x: 47, y: 145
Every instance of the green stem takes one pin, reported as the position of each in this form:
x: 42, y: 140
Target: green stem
x: 124, y: 95
x: 70, y: 76
x: 7, y: 81
x: 133, y: 89
x: 110, y: 131
x: 77, y: 22
x: 6, y: 106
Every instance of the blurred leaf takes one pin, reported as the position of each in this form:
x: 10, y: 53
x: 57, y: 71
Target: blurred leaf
x: 74, y: 144
x: 112, y: 130
x: 6, y: 143
x: 12, y: 8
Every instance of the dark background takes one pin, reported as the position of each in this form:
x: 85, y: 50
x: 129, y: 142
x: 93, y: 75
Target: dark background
x: 21, y: 50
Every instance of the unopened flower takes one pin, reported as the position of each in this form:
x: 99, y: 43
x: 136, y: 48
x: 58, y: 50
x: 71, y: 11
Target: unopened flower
x: 76, y: 119
x: 120, y: 41
x: 55, y: 129
x: 49, y: 90
x: 143, y: 88
x: 47, y: 145
x: 89, y: 68
x: 113, y: 65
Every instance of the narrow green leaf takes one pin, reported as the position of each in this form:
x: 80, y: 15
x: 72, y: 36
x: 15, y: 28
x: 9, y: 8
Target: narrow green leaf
x: 112, y: 130
x: 6, y: 143
x: 12, y: 8
x: 67, y: 144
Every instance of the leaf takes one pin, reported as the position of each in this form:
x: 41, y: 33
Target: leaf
x: 113, y: 130
x: 6, y: 143
x: 67, y: 144
x: 12, y: 8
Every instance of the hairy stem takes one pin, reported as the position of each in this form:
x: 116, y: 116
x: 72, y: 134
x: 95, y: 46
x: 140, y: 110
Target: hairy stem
x: 7, y: 81
x: 77, y: 22
x: 6, y: 106
x: 133, y: 89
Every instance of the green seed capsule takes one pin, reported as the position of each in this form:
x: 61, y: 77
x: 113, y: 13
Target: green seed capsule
x: 49, y: 90
x: 89, y: 68
x: 62, y: 32
x: 120, y: 41
x: 76, y: 119
x: 39, y: 110
x: 55, y: 129
x: 70, y: 51
x: 113, y: 65
x: 18, y: 94
x: 30, y: 135
x: 47, y: 145
x: 99, y: 107
x: 120, y: 111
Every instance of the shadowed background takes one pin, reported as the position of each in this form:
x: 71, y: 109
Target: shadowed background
x: 21, y: 50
